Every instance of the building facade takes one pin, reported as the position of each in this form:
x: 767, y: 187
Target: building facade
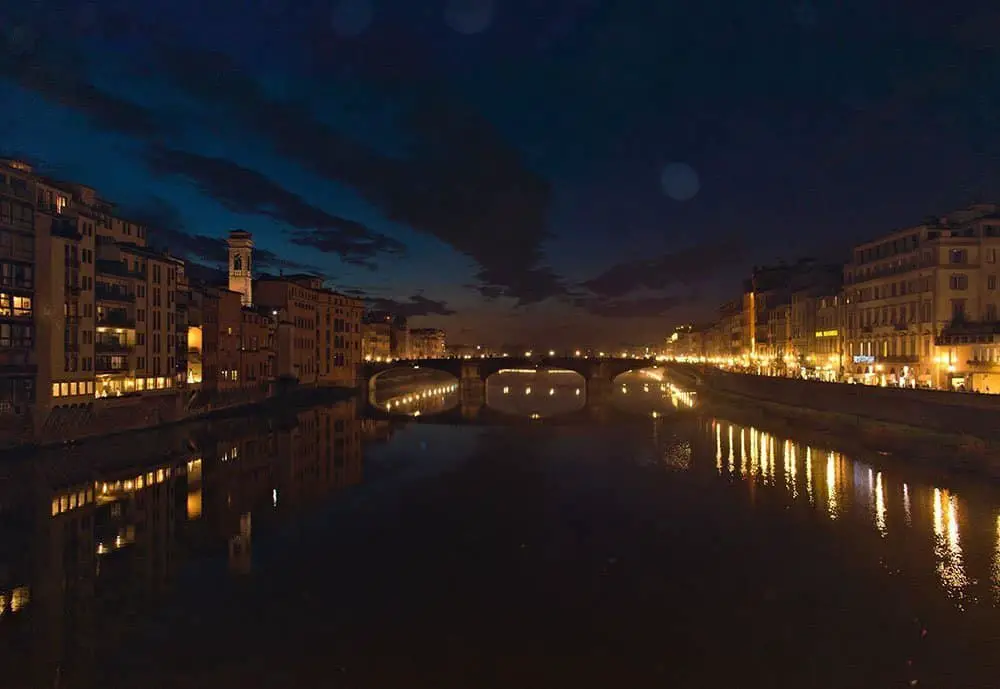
x: 88, y: 310
x: 318, y: 336
x: 904, y: 289
x: 427, y: 343
x: 376, y: 339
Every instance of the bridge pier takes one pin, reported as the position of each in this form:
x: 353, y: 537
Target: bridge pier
x: 599, y: 391
x: 472, y: 391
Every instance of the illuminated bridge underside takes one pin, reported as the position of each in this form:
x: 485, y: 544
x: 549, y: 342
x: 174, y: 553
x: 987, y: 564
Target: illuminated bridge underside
x: 481, y: 369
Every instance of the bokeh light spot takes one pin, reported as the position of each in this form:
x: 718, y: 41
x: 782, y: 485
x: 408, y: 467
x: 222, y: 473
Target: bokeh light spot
x: 680, y: 182
x: 352, y: 17
x: 469, y: 16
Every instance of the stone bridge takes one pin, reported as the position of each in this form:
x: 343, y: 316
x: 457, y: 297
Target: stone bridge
x: 481, y: 369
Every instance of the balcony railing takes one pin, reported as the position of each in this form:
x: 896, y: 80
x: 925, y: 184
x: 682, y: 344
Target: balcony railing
x: 15, y: 191
x: 115, y: 319
x: 899, y: 359
x: 118, y: 268
x: 102, y: 365
x: 112, y: 347
x: 17, y: 253
x: 104, y: 293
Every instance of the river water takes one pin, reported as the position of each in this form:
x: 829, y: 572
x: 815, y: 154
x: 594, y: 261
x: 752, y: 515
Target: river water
x: 649, y: 545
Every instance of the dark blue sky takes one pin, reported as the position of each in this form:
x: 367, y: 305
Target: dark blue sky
x: 564, y: 171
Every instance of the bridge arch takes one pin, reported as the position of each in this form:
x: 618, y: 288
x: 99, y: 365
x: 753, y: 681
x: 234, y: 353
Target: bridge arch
x: 657, y: 374
x: 542, y: 392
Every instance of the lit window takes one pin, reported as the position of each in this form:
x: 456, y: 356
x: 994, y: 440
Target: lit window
x: 55, y: 389
x: 64, y: 389
x: 72, y: 389
x: 140, y: 383
x: 55, y: 506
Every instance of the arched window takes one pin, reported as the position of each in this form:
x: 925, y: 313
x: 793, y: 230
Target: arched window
x: 237, y: 263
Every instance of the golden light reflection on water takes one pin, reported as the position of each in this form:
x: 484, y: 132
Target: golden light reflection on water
x: 880, y: 508
x: 947, y: 545
x: 995, y: 578
x: 852, y: 493
x: 831, y: 486
x: 718, y: 446
x: 907, y: 515
x: 809, y: 475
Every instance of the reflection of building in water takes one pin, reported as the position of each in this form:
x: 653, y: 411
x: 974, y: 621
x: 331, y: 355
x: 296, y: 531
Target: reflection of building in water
x: 87, y: 554
x: 376, y: 430
x: 83, y: 550
x: 842, y: 489
x: 239, y: 547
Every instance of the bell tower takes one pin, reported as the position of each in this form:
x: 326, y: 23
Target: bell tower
x: 240, y: 268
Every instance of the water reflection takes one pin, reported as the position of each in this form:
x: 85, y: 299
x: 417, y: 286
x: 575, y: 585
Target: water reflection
x: 536, y: 393
x: 87, y: 539
x: 648, y: 392
x: 850, y: 490
x: 414, y: 392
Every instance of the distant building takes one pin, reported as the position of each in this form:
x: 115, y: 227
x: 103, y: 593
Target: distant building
x: 912, y: 286
x: 376, y: 339
x: 427, y: 343
x: 318, y: 333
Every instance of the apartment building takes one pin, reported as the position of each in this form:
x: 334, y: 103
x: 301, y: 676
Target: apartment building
x: 427, y: 343
x: 376, y: 338
x: 87, y: 309
x: 903, y: 290
x: 318, y: 336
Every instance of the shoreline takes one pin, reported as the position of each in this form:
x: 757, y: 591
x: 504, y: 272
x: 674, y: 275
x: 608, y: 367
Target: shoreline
x: 956, y: 452
x: 286, y: 401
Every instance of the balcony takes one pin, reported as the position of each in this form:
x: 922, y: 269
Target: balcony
x: 107, y: 365
x: 119, y: 269
x: 105, y: 293
x: 899, y: 359
x: 112, y: 347
x: 22, y: 252
x: 18, y: 360
x: 115, y: 319
x: 18, y: 192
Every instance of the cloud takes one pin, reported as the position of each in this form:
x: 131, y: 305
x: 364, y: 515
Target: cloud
x: 168, y: 231
x: 640, y: 307
x: 694, y: 264
x: 243, y: 190
x: 459, y: 181
x: 28, y: 60
x: 418, y: 305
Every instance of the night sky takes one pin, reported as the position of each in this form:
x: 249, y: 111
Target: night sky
x: 544, y: 171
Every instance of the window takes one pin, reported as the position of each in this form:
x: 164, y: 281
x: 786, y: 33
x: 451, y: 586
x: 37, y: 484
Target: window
x: 16, y: 306
x: 991, y: 312
x: 957, y: 256
x: 55, y: 389
x: 958, y: 281
x: 958, y: 309
x: 15, y: 336
x: 991, y: 282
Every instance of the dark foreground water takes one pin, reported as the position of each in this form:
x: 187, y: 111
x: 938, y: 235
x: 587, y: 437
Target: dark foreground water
x: 323, y: 549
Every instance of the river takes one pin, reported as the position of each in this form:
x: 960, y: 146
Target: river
x: 650, y: 545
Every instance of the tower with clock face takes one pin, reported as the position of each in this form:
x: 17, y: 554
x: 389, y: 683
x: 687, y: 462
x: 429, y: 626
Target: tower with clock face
x: 240, y: 266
